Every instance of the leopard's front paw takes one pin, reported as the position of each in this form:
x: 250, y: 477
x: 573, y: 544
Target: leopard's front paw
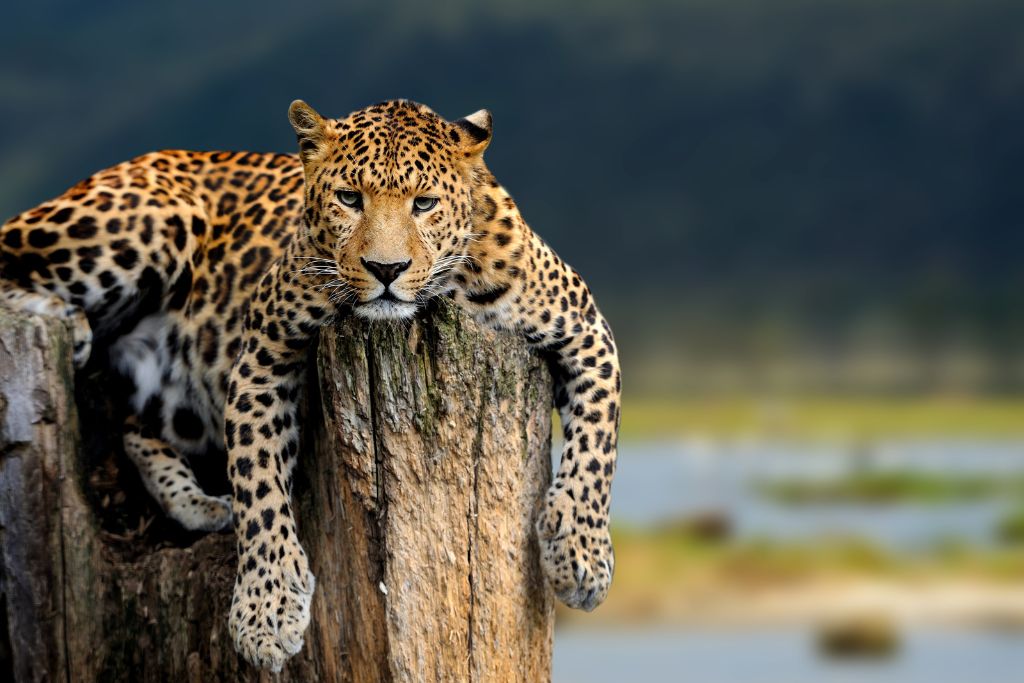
x: 270, y: 606
x: 576, y: 555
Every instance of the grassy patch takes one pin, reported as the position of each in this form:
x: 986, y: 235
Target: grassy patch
x: 894, y: 487
x: 646, y: 555
x: 829, y: 416
x: 1010, y: 528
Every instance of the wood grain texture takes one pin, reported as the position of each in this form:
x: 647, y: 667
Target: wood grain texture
x: 427, y: 451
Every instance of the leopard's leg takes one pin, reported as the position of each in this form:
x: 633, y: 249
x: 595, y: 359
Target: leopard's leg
x: 18, y: 298
x: 536, y: 292
x: 170, y: 480
x: 270, y: 607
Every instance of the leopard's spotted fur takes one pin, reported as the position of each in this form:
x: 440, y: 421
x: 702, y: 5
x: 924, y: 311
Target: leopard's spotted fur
x: 222, y: 266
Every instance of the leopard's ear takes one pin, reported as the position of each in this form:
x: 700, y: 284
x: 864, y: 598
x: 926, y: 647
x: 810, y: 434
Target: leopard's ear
x: 310, y: 128
x: 474, y: 132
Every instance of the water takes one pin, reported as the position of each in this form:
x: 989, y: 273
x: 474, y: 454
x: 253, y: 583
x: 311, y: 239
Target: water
x: 657, y: 482
x: 784, y: 655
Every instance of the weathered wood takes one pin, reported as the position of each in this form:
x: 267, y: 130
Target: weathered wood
x: 441, y: 443
x: 37, y: 429
x: 425, y: 459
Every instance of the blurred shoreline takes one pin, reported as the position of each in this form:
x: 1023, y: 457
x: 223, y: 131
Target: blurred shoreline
x: 947, y: 602
x: 670, y: 580
x: 851, y: 418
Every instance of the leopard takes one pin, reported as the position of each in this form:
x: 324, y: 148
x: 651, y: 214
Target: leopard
x: 206, y: 276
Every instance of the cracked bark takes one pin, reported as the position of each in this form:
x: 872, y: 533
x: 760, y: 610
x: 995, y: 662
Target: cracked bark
x: 427, y: 451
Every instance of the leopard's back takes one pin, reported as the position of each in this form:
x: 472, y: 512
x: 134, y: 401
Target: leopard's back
x: 160, y: 254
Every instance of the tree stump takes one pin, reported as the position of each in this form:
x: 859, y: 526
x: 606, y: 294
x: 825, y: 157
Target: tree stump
x: 427, y: 452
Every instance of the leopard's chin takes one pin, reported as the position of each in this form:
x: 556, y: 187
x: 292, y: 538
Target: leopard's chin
x: 385, y: 309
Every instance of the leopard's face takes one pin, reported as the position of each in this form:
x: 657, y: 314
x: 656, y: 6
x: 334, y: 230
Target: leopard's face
x: 388, y: 201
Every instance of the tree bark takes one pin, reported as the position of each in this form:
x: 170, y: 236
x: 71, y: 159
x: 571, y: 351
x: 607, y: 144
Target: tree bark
x: 427, y: 452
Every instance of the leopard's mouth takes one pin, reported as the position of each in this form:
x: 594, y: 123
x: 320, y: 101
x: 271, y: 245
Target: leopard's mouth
x: 386, y: 306
x: 388, y: 295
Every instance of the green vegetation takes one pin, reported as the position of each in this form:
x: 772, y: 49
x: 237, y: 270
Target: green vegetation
x: 1010, y: 529
x: 895, y: 486
x: 667, y: 552
x: 757, y: 559
x: 824, y: 417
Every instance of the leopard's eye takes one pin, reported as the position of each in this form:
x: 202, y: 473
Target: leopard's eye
x: 350, y: 198
x: 422, y: 204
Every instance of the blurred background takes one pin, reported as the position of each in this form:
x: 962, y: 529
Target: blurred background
x: 804, y: 219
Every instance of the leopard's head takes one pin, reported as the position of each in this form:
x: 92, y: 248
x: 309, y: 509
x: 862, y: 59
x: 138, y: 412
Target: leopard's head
x: 388, y: 201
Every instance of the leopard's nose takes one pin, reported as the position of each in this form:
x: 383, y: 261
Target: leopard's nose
x: 386, y: 272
